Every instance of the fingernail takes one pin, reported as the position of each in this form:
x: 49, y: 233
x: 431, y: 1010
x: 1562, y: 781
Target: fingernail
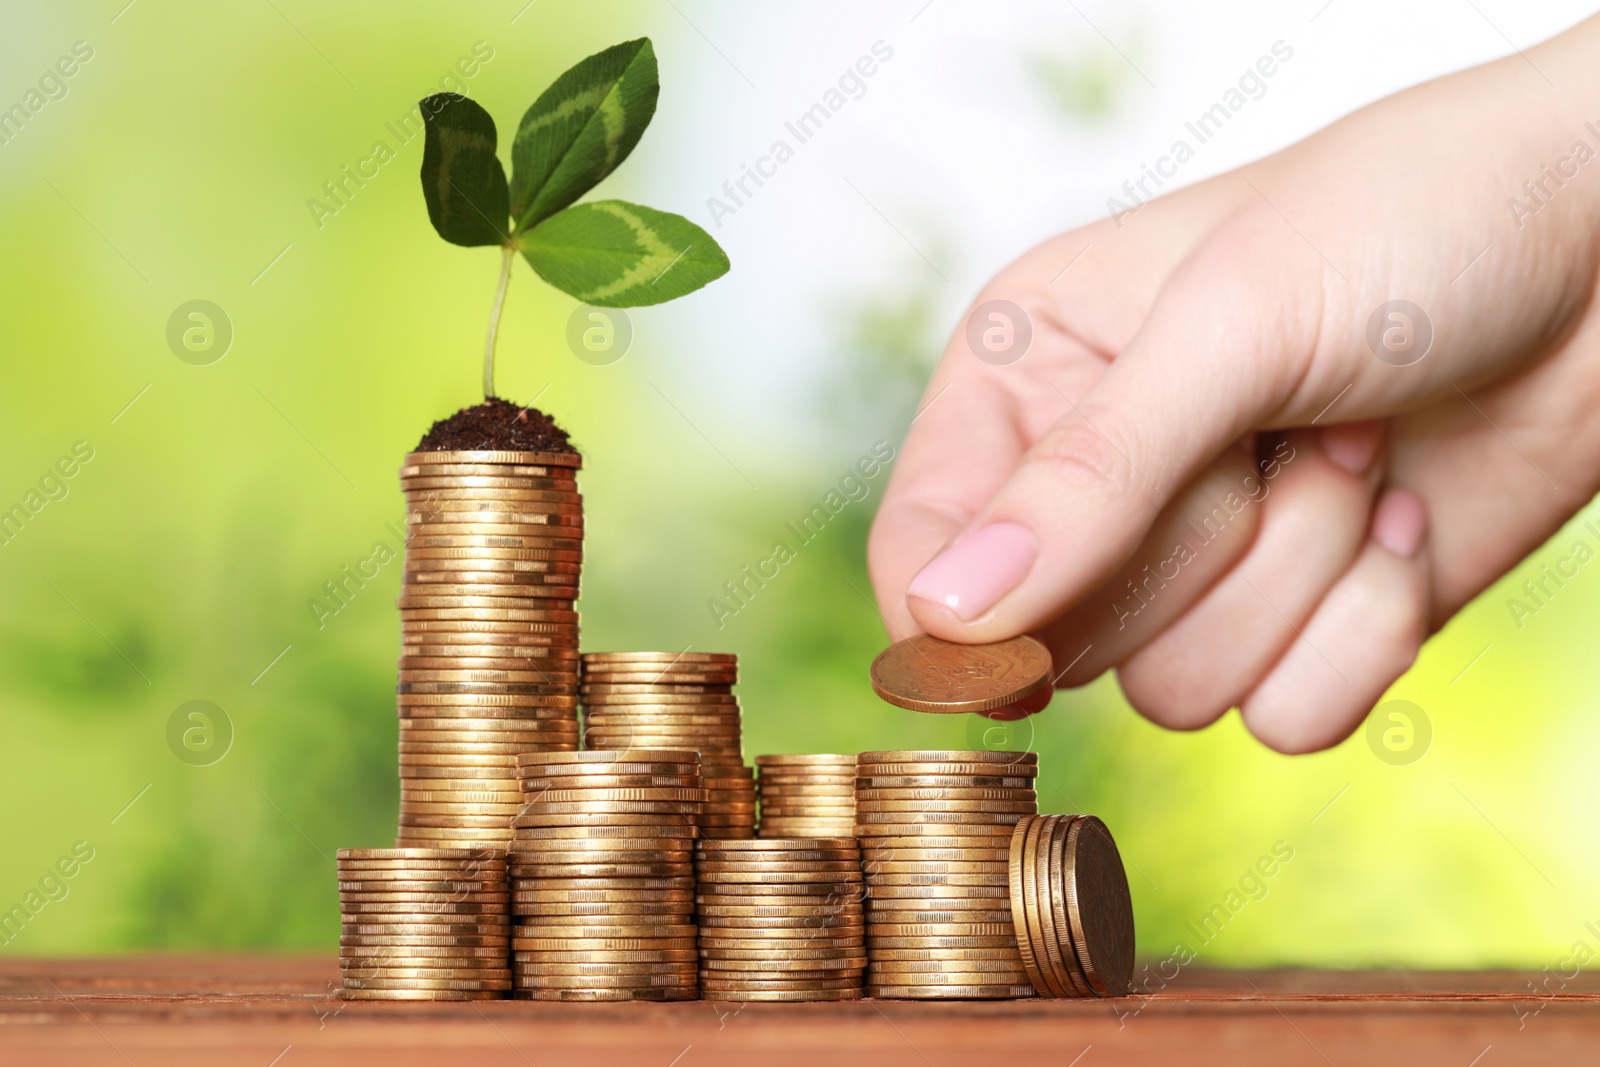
x: 1398, y: 522
x: 971, y: 575
x: 1352, y: 447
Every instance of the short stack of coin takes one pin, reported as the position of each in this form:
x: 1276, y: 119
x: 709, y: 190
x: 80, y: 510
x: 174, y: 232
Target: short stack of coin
x: 675, y: 700
x: 1070, y: 906
x: 935, y: 829
x: 424, y: 924
x: 780, y: 919
x: 602, y: 876
x: 807, y: 795
x: 489, y: 666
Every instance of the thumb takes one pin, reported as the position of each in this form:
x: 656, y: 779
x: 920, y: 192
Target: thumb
x: 1222, y: 349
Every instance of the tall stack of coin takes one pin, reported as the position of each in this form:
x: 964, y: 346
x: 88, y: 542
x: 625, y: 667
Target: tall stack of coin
x: 489, y: 666
x: 424, y: 924
x: 935, y: 830
x: 676, y: 700
x: 780, y: 919
x: 807, y: 795
x: 1070, y: 906
x: 602, y: 876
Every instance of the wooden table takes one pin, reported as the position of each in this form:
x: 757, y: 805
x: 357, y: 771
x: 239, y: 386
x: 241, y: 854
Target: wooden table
x: 279, y: 1011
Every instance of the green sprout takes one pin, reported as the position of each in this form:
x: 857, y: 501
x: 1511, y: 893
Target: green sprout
x: 608, y: 253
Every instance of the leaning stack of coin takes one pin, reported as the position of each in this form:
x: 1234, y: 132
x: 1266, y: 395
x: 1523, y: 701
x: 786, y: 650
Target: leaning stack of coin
x: 602, y: 876
x: 489, y: 666
x: 675, y: 700
x: 1070, y: 906
x: 424, y: 924
x: 780, y: 919
x: 935, y: 831
x: 807, y: 795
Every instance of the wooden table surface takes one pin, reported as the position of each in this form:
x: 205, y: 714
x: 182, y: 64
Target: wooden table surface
x: 279, y: 1011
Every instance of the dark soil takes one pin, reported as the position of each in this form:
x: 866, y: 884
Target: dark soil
x: 496, y: 425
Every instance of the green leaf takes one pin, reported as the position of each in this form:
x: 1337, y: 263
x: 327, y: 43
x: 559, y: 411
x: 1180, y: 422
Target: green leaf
x: 615, y: 254
x: 581, y: 128
x: 462, y: 179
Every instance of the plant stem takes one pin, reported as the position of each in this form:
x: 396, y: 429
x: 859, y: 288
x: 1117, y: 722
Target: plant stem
x: 494, y: 320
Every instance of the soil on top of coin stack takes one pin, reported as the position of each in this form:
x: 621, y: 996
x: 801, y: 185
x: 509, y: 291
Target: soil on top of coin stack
x: 496, y: 425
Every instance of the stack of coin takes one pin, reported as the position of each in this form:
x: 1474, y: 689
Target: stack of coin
x: 935, y: 831
x: 602, y: 876
x: 780, y: 919
x: 424, y: 924
x: 807, y: 795
x: 1070, y: 906
x: 489, y: 666
x: 675, y: 700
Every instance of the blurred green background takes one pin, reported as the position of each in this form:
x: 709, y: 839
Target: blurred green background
x: 220, y: 498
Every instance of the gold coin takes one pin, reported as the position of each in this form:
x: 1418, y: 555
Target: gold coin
x: 610, y: 937
x: 415, y: 663
x: 899, y: 917
x: 941, y: 943
x: 563, y: 460
x: 882, y: 910
x: 451, y: 761
x: 924, y: 673
x: 950, y: 881
x: 455, y: 836
x: 687, y: 982
x: 1098, y: 906
x: 397, y: 930
x: 786, y: 996
x: 612, y: 781
x: 511, y: 618
x: 415, y: 994
x: 409, y: 855
x: 996, y: 840
x: 752, y: 851
x: 944, y: 757
x: 787, y: 889
x: 958, y: 807
x: 445, y: 955
x: 949, y: 796
x: 1060, y: 952
x: 457, y: 984
x: 417, y: 820
x: 620, y: 968
x: 424, y: 580
x: 468, y: 631
x: 803, y: 862
x: 767, y: 947
x: 400, y: 936
x: 837, y: 967
x: 945, y: 781
x: 423, y: 905
x: 414, y: 807
x: 995, y: 929
x: 429, y: 529
x: 639, y: 703
x: 868, y: 820
x: 673, y: 833
x: 939, y: 956
x: 365, y: 882
x: 879, y: 891
x: 725, y: 985
x: 941, y: 857
x: 484, y: 872
x: 431, y: 462
x: 369, y: 971
x: 613, y: 807
x: 593, y: 871
x: 687, y: 954
x: 426, y: 539
x: 1044, y: 974
x: 677, y: 757
x: 419, y: 488
x: 757, y: 909
x: 590, y: 795
x: 669, y: 657
x: 492, y: 699
x: 808, y: 759
x: 552, y: 884
x: 952, y: 992
x: 546, y: 598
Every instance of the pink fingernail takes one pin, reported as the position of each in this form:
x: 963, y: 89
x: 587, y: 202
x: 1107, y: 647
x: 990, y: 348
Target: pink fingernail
x: 1398, y: 522
x: 971, y: 575
x: 1352, y: 447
